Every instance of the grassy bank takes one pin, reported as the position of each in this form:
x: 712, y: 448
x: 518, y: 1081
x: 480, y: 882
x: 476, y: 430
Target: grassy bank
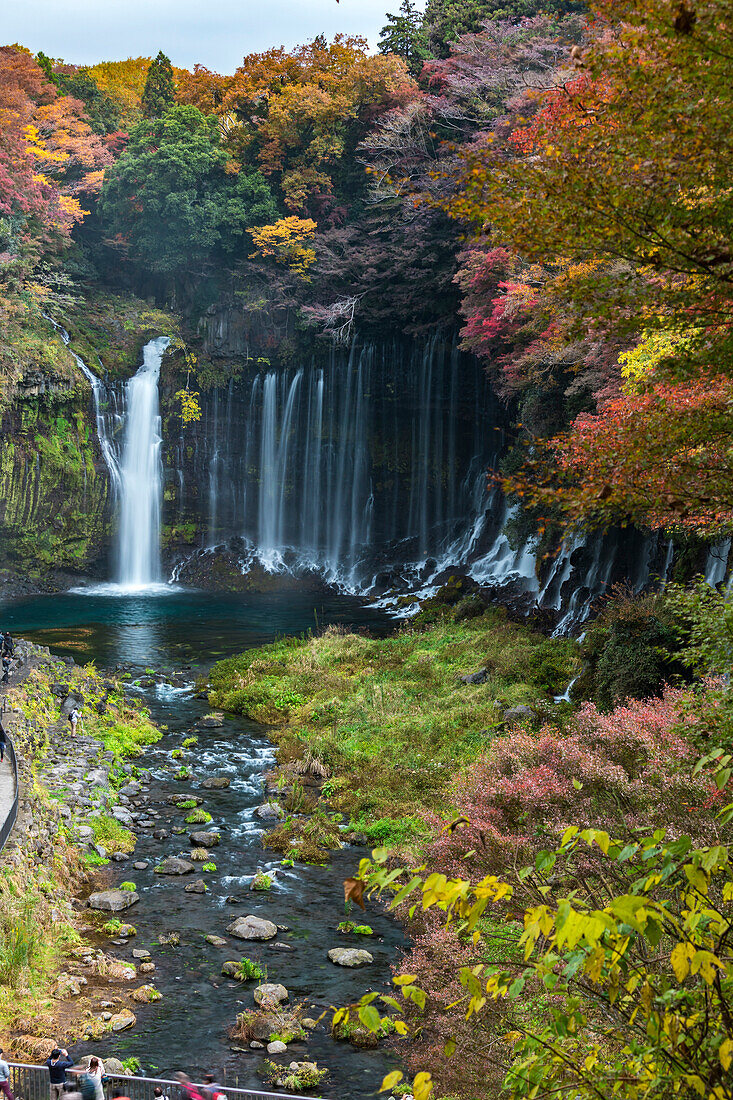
x: 390, y: 719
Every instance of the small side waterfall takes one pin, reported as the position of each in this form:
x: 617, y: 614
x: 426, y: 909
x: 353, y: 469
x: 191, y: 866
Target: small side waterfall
x: 138, y: 543
x: 105, y: 412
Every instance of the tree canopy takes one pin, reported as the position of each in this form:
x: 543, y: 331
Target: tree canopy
x: 174, y: 199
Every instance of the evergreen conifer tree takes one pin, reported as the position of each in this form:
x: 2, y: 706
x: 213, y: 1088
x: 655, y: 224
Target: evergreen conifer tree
x: 403, y: 35
x: 159, y: 93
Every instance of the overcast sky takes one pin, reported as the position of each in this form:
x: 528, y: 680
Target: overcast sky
x: 216, y: 33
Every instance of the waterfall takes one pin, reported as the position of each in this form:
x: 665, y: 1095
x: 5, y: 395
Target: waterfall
x: 138, y: 543
x: 105, y: 420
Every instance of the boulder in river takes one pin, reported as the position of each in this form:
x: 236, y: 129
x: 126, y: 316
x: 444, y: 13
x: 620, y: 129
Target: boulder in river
x: 176, y: 799
x: 230, y: 969
x: 113, y: 901
x: 215, y: 941
x: 140, y: 953
x: 211, y: 721
x: 122, y: 1020
x: 197, y: 887
x: 216, y: 783
x: 205, y: 840
x: 276, y: 1047
x: 174, y: 865
x: 270, y: 811
x: 270, y: 994
x: 350, y: 956
x: 252, y: 928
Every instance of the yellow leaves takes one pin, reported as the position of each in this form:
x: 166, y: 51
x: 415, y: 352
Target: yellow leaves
x: 706, y: 964
x: 390, y: 1080
x: 190, y: 408
x: 422, y: 1086
x: 680, y: 958
x: 594, y: 964
x: 725, y: 1054
x: 639, y: 364
x: 72, y: 208
x: 287, y: 242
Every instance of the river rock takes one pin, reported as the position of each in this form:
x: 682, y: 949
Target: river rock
x: 146, y: 968
x: 122, y: 1020
x: 174, y: 865
x: 176, y: 799
x: 216, y: 783
x: 520, y: 713
x: 252, y: 928
x: 216, y: 941
x: 113, y: 901
x: 211, y: 721
x: 270, y: 811
x: 205, y: 840
x: 270, y: 994
x: 276, y: 1047
x: 254, y: 1045
x: 350, y: 956
x: 479, y: 677
x: 281, y: 946
x: 140, y: 953
x: 230, y: 969
x: 140, y: 864
x: 197, y: 887
x: 114, y: 1066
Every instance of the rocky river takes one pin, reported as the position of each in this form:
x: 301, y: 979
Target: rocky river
x: 184, y: 932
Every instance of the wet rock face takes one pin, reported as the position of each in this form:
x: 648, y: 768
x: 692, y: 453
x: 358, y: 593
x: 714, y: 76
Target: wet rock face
x: 252, y: 928
x: 113, y: 901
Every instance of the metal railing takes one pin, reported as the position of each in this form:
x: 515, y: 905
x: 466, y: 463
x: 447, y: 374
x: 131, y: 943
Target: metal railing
x: 9, y: 822
x: 32, y: 1083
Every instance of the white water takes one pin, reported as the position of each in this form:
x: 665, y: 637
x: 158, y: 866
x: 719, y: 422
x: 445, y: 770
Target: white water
x: 141, y: 477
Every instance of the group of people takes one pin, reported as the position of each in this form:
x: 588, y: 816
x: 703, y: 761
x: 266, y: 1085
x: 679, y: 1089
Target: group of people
x: 7, y: 650
x: 89, y: 1081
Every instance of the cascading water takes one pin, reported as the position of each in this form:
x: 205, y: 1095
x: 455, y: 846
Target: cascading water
x: 138, y: 542
x: 374, y: 460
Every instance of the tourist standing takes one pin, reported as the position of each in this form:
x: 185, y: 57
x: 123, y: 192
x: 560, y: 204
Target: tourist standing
x: 3, y: 742
x: 74, y: 720
x: 96, y: 1072
x: 5, y: 1077
x: 57, y: 1065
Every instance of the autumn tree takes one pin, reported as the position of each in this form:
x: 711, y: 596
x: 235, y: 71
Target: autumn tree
x: 50, y: 161
x: 174, y: 199
x: 103, y: 111
x: 159, y: 92
x: 302, y: 113
x: 445, y: 21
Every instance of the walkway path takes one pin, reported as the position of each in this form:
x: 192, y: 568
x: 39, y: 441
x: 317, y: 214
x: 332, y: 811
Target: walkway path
x: 7, y: 788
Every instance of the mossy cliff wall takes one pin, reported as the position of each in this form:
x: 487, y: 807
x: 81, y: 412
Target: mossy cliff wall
x: 55, y: 496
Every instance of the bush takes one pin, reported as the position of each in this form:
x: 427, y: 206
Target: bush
x: 261, y: 881
x: 111, y: 835
x: 249, y: 971
x: 209, y: 867
x: 199, y: 817
x: 629, y: 652
x: 129, y: 887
